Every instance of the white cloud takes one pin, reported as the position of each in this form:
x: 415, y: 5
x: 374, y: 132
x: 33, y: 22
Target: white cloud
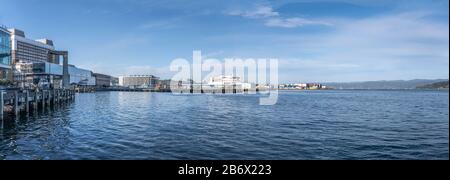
x: 394, y: 37
x: 273, y: 18
x: 293, y: 22
x: 259, y: 12
x: 403, y: 45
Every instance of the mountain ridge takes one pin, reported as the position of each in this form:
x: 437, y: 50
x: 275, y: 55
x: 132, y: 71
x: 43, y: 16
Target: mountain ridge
x: 384, y: 84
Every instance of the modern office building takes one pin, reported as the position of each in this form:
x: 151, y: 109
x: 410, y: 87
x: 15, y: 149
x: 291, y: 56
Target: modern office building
x: 5, y: 55
x: 24, y: 50
x: 27, y: 50
x: 139, y: 81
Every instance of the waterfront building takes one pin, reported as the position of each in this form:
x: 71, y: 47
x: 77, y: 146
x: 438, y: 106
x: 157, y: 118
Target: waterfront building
x: 314, y: 86
x: 114, y: 81
x: 5, y: 55
x: 81, y: 77
x: 224, y: 80
x: 38, y: 74
x: 50, y: 75
x: 28, y: 50
x: 24, y: 50
x: 302, y: 86
x: 139, y: 81
x: 103, y: 80
x: 227, y: 81
x: 164, y: 84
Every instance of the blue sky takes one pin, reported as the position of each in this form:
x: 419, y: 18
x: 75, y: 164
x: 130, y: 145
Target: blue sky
x: 315, y: 41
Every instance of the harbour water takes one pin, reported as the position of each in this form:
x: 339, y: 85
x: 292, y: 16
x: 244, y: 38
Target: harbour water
x: 409, y: 124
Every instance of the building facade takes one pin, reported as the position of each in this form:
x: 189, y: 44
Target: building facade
x: 227, y: 81
x: 140, y: 81
x: 114, y: 81
x: 50, y: 75
x: 25, y: 52
x: 165, y: 85
x: 5, y: 55
x: 103, y: 80
x: 42, y: 74
x: 302, y: 86
x: 81, y: 77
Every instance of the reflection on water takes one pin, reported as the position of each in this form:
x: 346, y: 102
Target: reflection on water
x: 303, y: 125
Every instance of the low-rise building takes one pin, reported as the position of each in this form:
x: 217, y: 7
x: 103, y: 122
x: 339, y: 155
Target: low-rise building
x: 114, y: 81
x: 139, y: 81
x: 103, y: 80
x: 302, y: 86
x: 164, y: 85
x: 81, y: 77
x: 49, y: 75
x: 38, y: 74
x: 228, y: 82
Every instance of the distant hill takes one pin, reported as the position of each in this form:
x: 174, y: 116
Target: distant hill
x: 438, y: 85
x: 399, y: 84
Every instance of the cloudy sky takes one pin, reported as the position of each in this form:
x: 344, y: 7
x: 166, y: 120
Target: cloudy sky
x: 315, y: 41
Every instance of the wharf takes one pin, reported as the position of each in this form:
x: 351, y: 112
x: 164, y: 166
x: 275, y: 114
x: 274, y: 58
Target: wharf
x: 16, y: 101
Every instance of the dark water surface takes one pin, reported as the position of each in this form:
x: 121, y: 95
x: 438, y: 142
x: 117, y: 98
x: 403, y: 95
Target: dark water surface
x: 303, y: 125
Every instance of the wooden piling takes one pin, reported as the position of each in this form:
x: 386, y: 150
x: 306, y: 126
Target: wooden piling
x: 20, y: 100
x: 54, y: 97
x: 35, y: 104
x: 48, y: 98
x: 43, y: 99
x: 27, y: 101
x: 2, y: 105
x: 16, y: 103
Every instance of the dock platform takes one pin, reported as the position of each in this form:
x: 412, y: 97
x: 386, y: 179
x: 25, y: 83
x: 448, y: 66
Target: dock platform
x: 16, y: 101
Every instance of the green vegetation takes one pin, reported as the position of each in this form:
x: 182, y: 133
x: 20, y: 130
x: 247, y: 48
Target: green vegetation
x: 438, y: 85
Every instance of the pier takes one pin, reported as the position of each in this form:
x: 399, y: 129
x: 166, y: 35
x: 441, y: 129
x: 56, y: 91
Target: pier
x: 16, y: 101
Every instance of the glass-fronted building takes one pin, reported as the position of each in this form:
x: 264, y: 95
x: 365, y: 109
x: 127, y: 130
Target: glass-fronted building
x: 81, y: 77
x: 5, y: 54
x: 49, y: 75
x: 43, y: 75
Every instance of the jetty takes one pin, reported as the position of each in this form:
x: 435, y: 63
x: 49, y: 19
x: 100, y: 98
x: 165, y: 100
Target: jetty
x: 16, y: 101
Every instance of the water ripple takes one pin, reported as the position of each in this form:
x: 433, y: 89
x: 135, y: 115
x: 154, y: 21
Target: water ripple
x: 303, y: 125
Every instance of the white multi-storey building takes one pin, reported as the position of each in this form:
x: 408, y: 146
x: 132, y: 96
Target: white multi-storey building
x: 27, y: 50
x: 227, y: 81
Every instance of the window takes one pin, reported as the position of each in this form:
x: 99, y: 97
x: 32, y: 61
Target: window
x: 5, y: 48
